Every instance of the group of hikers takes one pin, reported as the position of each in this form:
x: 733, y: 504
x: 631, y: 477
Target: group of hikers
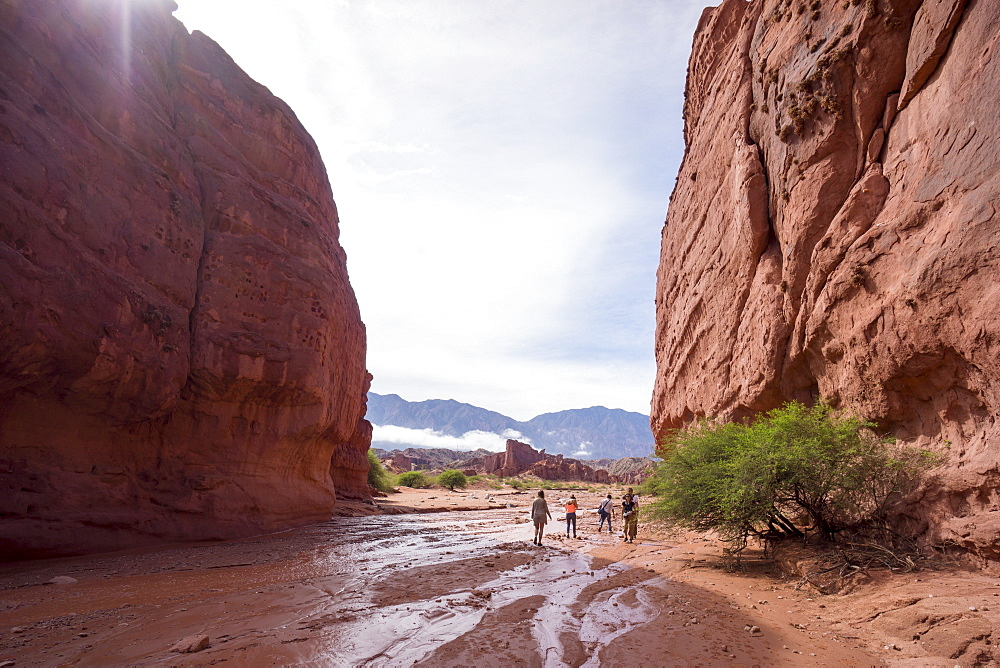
x: 606, y: 510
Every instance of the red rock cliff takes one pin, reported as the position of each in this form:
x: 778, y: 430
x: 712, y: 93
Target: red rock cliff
x: 833, y: 232
x: 182, y: 352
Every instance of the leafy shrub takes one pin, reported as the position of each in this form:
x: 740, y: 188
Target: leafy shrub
x: 378, y: 477
x: 792, y: 466
x: 452, y: 479
x: 414, y: 479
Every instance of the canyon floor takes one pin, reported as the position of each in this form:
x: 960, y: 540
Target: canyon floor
x: 468, y: 588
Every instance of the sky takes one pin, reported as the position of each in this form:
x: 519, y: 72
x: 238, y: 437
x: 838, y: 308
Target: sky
x: 501, y: 171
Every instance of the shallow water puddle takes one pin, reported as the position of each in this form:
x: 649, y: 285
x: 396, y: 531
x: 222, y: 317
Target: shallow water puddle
x: 571, y: 595
x: 390, y: 591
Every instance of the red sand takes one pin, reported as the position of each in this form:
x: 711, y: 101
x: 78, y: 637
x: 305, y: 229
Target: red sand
x: 469, y: 588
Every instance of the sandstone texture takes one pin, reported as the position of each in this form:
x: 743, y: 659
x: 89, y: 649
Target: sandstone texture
x: 182, y: 353
x: 833, y: 233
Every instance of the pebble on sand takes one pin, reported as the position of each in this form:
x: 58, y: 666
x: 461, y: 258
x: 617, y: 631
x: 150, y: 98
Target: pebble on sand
x: 191, y: 644
x: 61, y: 580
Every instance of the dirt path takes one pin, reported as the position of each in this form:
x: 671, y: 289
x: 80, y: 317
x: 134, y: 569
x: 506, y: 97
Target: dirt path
x: 457, y: 589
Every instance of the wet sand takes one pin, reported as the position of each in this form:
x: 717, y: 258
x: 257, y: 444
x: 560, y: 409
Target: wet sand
x: 441, y: 589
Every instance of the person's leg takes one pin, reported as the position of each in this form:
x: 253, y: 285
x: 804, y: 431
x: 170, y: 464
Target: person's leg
x: 574, y: 525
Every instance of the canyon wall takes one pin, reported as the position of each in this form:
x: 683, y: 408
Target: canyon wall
x: 833, y: 233
x: 182, y: 353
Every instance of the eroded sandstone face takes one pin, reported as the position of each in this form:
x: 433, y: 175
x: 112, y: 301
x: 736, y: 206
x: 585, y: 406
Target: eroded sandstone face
x: 521, y: 459
x: 182, y: 352
x: 833, y: 233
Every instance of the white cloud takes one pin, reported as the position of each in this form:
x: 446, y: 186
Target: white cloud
x: 584, y: 449
x: 392, y: 436
x: 501, y: 171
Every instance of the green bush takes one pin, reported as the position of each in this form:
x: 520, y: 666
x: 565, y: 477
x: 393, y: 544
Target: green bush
x: 452, y: 479
x: 378, y: 477
x: 414, y: 479
x: 791, y: 467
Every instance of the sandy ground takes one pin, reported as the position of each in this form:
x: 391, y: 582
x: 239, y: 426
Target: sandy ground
x: 443, y: 587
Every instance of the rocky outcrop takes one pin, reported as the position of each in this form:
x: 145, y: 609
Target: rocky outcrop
x: 560, y: 468
x: 625, y: 471
x: 522, y: 459
x: 833, y: 233
x: 182, y: 353
x: 514, y: 460
x: 400, y: 461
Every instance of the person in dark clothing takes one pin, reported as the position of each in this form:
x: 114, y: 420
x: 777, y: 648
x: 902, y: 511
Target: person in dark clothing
x: 630, y: 515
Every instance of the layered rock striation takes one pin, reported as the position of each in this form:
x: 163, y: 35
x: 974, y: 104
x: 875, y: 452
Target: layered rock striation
x: 833, y: 233
x: 182, y: 353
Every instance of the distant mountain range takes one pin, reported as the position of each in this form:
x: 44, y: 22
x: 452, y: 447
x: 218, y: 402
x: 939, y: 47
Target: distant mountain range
x: 598, y: 432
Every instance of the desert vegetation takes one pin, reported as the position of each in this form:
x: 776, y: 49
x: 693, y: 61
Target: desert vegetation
x: 452, y: 479
x: 795, y: 471
x: 378, y: 477
x: 414, y: 479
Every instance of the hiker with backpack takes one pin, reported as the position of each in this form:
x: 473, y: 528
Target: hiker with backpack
x: 607, y: 512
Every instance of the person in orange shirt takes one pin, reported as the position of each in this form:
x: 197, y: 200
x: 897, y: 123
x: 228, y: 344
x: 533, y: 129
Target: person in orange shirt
x: 571, y: 515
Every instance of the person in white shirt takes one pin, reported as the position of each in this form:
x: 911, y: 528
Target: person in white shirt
x: 607, y: 512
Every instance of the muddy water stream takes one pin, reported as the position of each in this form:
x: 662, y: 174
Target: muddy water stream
x: 440, y: 590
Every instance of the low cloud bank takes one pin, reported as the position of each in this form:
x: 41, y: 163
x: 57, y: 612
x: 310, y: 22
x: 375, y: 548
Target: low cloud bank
x: 391, y: 437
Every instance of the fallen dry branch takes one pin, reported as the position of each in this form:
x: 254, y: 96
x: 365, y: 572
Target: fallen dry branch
x: 845, y: 560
